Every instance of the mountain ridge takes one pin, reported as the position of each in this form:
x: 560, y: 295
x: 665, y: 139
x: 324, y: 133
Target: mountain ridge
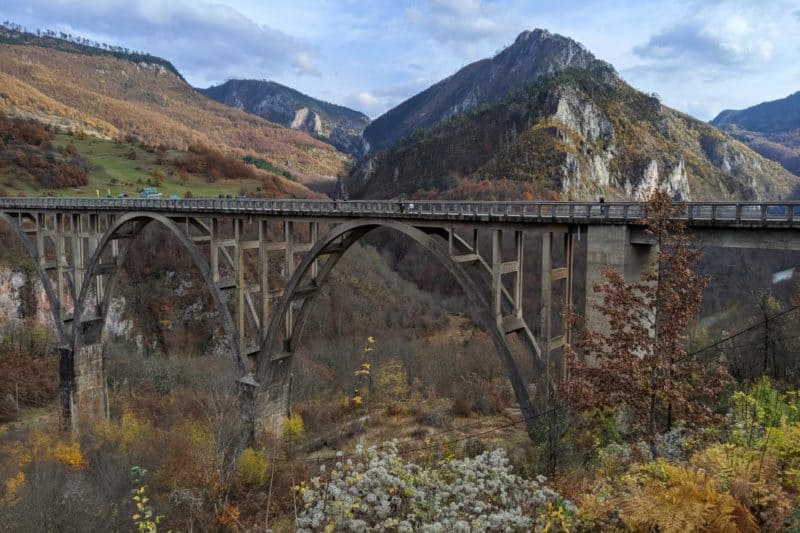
x: 575, y: 132
x: 486, y: 81
x: 333, y: 123
x: 770, y: 128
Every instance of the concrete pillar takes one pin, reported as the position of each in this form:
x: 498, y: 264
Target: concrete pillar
x: 84, y: 392
x: 268, y: 407
x: 610, y: 245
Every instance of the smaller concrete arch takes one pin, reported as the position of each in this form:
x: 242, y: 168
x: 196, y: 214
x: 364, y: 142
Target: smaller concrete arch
x: 274, y: 367
x: 135, y: 223
x: 53, y: 300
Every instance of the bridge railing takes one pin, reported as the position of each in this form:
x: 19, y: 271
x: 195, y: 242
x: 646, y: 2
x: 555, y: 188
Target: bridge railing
x: 729, y: 213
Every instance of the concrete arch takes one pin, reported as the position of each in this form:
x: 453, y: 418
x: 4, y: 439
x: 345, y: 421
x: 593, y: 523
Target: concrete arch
x: 139, y: 221
x: 55, y: 302
x: 272, y: 368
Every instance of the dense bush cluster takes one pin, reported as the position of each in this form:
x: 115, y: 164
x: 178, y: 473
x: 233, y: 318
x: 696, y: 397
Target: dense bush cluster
x: 28, y: 368
x: 378, y: 490
x: 214, y: 165
x: 26, y: 149
x: 742, y: 475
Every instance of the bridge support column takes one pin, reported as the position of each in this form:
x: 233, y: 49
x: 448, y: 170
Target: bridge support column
x: 83, y: 389
x: 610, y: 245
x: 268, y: 406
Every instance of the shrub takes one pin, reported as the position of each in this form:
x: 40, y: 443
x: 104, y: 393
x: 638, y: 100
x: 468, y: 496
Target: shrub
x: 379, y: 490
x: 671, y: 497
x: 391, y: 383
x: 251, y: 469
x: 293, y: 430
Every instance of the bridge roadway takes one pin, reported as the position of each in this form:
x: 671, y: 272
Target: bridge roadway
x: 698, y: 214
x: 264, y: 261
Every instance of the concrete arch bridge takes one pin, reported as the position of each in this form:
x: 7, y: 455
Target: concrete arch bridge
x: 79, y: 245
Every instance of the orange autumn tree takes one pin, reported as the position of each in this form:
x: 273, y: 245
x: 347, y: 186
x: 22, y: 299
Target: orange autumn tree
x: 640, y: 363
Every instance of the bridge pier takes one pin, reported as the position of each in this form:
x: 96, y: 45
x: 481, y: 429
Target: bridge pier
x: 266, y: 408
x: 83, y: 388
x: 611, y: 246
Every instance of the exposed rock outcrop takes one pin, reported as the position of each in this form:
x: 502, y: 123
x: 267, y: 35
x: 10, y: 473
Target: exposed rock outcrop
x: 576, y: 130
x: 533, y: 54
x: 338, y: 125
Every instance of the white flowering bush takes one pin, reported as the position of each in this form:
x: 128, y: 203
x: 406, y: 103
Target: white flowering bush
x: 377, y: 490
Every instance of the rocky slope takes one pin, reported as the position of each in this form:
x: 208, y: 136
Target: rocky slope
x: 117, y: 97
x: 578, y: 131
x: 770, y: 128
x: 534, y: 54
x: 339, y: 125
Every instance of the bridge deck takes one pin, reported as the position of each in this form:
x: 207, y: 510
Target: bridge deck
x: 717, y: 214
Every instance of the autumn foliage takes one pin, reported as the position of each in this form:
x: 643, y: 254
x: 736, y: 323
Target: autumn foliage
x: 640, y: 363
x: 26, y: 150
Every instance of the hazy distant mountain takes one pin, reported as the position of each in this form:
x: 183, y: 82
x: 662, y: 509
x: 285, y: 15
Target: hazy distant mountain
x: 339, y: 125
x: 577, y: 130
x: 534, y: 54
x: 770, y: 128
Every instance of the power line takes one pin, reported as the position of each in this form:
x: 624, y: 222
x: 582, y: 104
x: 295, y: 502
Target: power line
x: 743, y: 331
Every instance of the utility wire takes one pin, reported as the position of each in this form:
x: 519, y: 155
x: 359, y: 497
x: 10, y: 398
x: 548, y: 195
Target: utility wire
x: 745, y: 330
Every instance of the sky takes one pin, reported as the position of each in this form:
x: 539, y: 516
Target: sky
x: 699, y: 56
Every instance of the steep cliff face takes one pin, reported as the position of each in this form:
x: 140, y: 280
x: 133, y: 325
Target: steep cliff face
x: 771, y: 128
x: 579, y: 133
x: 534, y: 54
x: 22, y: 297
x: 340, y: 126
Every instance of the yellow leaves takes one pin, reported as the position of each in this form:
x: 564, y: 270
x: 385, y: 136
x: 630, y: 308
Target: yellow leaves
x: 228, y: 517
x: 68, y: 454
x: 251, y: 468
x: 368, y: 348
x: 293, y: 429
x: 676, y: 498
x: 364, y: 370
x: 554, y: 518
x: 132, y: 431
x: 13, y: 485
x: 357, y: 400
x: 50, y: 447
x: 391, y: 381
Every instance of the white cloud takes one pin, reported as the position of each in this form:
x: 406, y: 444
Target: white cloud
x: 208, y: 41
x: 455, y: 21
x: 367, y: 100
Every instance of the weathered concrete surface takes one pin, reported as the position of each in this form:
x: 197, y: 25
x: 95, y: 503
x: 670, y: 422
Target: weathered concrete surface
x: 266, y: 408
x: 611, y: 246
x: 89, y: 395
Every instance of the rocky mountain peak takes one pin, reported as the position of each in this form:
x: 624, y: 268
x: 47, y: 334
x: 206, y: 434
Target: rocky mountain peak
x: 283, y: 105
x: 533, y: 54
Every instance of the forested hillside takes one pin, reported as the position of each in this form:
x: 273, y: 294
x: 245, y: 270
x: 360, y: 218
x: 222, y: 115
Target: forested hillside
x: 116, y: 98
x: 771, y: 128
x: 43, y: 160
x: 578, y: 134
